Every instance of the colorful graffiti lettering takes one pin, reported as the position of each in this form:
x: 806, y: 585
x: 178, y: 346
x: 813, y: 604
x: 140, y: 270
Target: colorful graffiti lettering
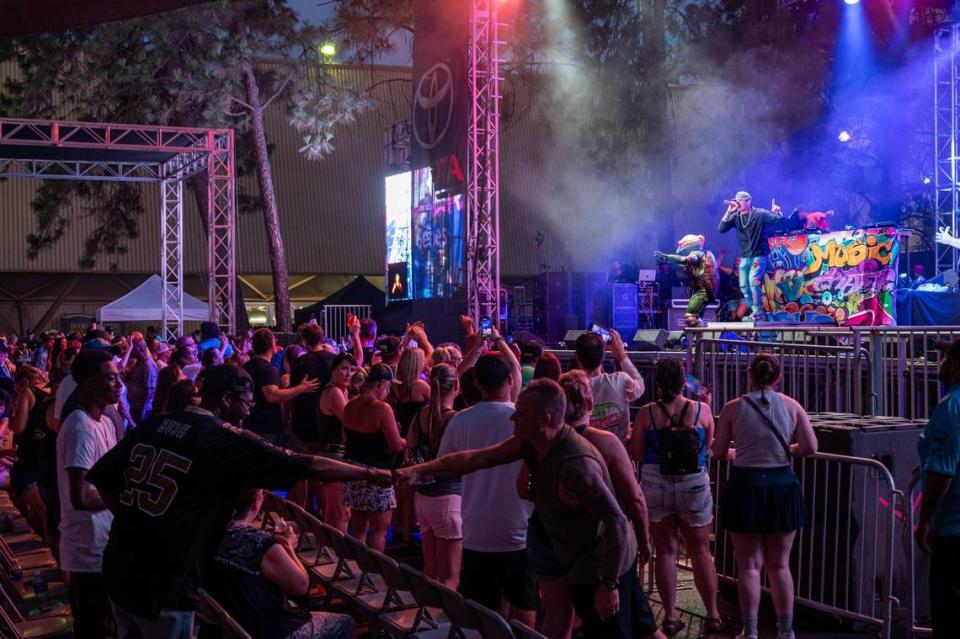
x: 845, y: 277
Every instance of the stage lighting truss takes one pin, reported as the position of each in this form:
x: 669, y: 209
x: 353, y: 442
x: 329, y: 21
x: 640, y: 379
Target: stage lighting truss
x: 483, y: 166
x: 58, y: 150
x: 946, y: 105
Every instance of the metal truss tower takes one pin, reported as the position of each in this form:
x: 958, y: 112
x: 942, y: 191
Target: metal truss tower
x: 57, y: 150
x: 483, y: 163
x: 946, y: 132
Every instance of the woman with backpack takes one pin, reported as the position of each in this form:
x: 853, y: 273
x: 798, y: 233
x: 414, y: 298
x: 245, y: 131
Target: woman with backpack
x: 671, y: 437
x: 762, y: 505
x: 437, y: 499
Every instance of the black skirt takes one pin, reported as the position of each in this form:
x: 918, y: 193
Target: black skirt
x: 762, y: 501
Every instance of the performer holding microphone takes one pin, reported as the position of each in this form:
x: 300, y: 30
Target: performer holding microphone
x: 751, y: 224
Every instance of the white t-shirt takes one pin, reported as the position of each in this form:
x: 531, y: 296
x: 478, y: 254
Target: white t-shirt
x: 612, y: 394
x: 64, y: 390
x: 494, y: 516
x: 83, y: 534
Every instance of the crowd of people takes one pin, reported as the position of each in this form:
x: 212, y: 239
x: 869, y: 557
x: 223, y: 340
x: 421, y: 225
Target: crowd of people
x: 143, y: 463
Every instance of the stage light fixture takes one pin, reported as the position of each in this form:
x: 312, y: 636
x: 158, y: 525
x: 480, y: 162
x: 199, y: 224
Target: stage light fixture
x: 851, y: 2
x: 844, y: 136
x: 328, y: 49
x: 927, y: 179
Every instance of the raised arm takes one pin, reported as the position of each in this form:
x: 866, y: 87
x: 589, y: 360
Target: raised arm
x: 474, y: 350
x: 726, y: 222
x: 357, y: 346
x: 620, y: 353
x: 516, y: 376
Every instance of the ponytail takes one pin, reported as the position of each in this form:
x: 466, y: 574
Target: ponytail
x: 765, y: 372
x: 443, y: 379
x: 669, y: 378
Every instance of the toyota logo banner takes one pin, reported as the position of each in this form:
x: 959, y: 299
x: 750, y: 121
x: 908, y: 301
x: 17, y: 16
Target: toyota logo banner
x: 440, y: 90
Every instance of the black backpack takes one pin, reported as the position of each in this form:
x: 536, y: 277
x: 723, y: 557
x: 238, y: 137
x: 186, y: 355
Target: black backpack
x: 680, y: 445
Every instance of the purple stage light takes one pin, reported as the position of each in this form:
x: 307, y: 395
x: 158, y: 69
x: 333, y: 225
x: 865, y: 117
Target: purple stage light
x: 844, y: 136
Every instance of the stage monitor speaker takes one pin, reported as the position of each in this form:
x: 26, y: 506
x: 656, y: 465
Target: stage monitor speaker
x: 650, y: 339
x: 625, y: 314
x: 570, y: 338
x: 675, y: 339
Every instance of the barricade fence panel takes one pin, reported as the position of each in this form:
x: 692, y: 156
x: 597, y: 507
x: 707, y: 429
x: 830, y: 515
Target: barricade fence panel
x: 843, y: 560
x: 335, y: 318
x: 889, y: 371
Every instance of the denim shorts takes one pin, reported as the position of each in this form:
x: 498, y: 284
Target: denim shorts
x: 687, y: 497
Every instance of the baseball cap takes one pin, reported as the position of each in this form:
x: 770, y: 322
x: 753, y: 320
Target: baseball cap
x: 381, y: 373
x: 388, y: 346
x: 100, y: 344
x: 225, y: 378
x: 742, y: 195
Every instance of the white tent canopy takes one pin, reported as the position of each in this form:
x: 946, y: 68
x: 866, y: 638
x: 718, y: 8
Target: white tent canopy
x: 142, y: 304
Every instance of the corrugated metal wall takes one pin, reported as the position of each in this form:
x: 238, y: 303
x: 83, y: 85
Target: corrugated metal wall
x: 332, y: 210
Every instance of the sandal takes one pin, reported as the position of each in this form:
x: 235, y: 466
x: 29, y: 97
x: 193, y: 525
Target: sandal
x: 711, y: 626
x: 671, y: 627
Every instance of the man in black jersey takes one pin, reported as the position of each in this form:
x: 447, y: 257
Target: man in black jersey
x: 171, y: 484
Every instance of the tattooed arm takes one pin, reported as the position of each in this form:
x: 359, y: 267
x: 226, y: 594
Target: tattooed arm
x: 583, y: 478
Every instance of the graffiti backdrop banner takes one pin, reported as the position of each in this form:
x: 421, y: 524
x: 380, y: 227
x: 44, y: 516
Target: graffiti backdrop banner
x: 844, y: 277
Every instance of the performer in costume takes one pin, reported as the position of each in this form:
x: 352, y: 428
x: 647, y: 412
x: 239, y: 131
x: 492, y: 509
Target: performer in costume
x: 752, y: 230
x: 701, y: 268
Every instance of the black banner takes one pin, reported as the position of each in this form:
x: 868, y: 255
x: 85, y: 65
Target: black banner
x: 441, y: 96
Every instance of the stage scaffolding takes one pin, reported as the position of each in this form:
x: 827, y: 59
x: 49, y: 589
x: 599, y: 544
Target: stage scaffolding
x: 57, y: 150
x: 946, y: 105
x: 483, y: 166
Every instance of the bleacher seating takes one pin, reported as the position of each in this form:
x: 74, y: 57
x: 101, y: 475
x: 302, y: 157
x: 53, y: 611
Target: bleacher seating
x: 34, y: 602
x: 397, y: 600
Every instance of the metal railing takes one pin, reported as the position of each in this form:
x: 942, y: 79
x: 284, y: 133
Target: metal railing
x: 864, y: 371
x: 918, y: 568
x: 843, y: 559
x: 334, y: 318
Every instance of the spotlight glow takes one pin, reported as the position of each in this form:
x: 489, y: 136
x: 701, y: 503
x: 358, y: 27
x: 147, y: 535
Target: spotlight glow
x: 844, y: 136
x: 328, y: 49
x: 927, y: 179
x: 851, y: 2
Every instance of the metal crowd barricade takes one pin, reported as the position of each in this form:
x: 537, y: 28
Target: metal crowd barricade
x: 904, y: 378
x: 335, y: 318
x: 918, y: 569
x: 824, y: 369
x: 843, y: 559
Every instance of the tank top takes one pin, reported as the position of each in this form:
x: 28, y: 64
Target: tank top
x: 576, y: 537
x: 331, y: 429
x: 370, y: 449
x: 427, y: 451
x: 652, y: 439
x: 757, y: 446
x: 405, y: 412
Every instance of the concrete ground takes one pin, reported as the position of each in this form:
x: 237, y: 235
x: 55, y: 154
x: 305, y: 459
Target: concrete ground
x: 807, y: 624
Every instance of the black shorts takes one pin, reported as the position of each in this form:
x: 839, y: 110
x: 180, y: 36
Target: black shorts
x: 487, y: 577
x: 634, y: 619
x: 945, y: 586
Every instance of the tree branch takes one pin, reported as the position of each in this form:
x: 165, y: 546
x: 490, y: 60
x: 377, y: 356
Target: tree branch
x: 243, y: 104
x: 283, y: 85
